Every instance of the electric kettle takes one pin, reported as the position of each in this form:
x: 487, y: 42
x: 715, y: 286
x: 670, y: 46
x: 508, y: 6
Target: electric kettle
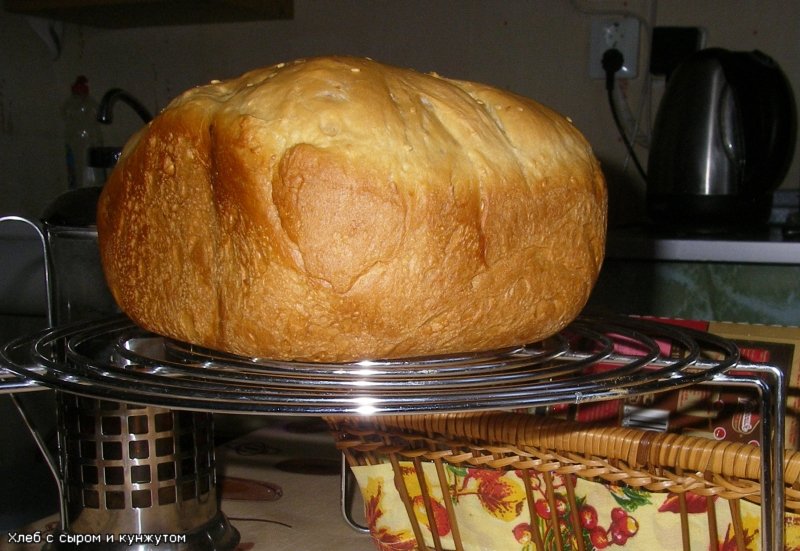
x: 722, y: 142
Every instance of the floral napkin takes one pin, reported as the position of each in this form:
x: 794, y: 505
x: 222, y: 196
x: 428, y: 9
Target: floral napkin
x: 492, y: 513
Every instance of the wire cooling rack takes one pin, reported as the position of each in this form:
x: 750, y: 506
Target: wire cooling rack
x: 592, y: 359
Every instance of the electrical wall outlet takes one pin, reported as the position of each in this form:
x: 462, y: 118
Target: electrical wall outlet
x: 621, y: 33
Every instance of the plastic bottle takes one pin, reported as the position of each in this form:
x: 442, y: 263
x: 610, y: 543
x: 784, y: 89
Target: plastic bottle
x: 82, y: 133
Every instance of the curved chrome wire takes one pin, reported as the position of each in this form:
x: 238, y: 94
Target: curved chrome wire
x: 592, y: 359
x: 12, y: 382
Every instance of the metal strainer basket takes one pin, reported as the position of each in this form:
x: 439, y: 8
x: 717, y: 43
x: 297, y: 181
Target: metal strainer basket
x: 131, y: 469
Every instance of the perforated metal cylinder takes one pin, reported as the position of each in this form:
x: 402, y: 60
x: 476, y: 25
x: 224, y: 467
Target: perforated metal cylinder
x: 131, y: 469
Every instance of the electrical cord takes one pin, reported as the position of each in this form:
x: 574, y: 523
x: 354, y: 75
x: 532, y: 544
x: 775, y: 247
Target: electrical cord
x: 613, y: 61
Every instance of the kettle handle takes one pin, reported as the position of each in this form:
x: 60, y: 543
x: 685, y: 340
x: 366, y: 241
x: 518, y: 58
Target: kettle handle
x: 767, y: 114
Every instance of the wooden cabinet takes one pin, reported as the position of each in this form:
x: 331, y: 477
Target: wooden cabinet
x: 146, y: 13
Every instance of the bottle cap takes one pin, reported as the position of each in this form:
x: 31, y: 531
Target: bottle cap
x: 104, y: 156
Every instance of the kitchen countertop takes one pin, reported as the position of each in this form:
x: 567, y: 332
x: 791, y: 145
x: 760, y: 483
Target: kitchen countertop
x: 643, y: 243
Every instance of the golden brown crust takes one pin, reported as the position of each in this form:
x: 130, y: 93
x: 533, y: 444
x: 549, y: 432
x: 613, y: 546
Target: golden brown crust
x: 332, y: 209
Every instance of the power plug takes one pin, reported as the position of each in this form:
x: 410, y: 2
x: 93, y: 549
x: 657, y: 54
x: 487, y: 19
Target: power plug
x: 620, y: 33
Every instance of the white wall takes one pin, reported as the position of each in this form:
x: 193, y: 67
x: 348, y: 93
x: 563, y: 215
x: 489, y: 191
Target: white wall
x: 538, y: 48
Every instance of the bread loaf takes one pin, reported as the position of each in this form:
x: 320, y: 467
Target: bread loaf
x: 334, y: 209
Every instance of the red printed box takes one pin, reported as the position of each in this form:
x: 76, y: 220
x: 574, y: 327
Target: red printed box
x: 718, y: 412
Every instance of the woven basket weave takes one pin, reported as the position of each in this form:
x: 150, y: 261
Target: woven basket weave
x: 535, y: 445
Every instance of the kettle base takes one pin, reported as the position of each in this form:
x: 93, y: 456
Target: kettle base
x: 709, y: 214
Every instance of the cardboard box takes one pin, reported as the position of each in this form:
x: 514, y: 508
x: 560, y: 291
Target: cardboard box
x: 718, y: 412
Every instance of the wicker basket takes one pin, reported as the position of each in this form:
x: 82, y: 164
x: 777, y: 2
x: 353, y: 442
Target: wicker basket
x: 701, y: 479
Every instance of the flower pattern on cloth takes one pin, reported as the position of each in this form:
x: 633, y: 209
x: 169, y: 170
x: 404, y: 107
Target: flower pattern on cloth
x: 490, y: 508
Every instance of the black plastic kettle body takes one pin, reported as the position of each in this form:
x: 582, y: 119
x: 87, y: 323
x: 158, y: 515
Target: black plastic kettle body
x: 722, y: 142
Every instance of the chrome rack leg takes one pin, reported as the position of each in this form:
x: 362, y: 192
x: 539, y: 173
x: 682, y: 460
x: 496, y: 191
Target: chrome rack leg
x: 776, y: 396
x: 771, y: 387
x: 52, y: 464
x: 346, y: 488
